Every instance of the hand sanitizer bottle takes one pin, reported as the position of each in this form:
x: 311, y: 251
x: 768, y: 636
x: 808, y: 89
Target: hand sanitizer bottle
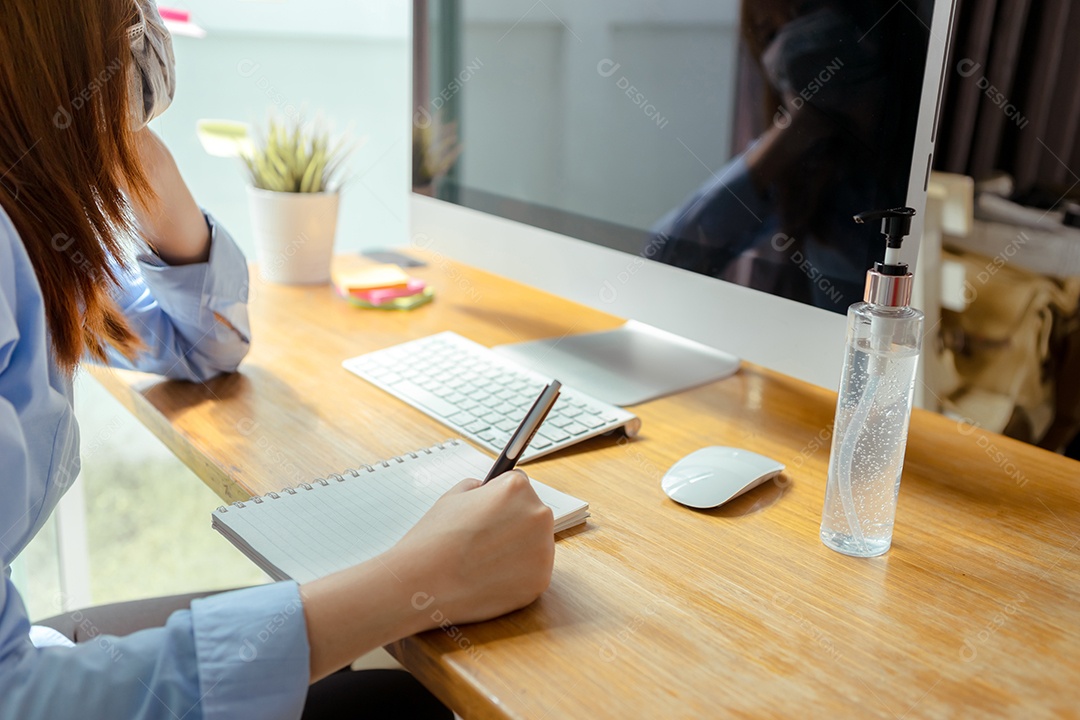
x: 884, y: 338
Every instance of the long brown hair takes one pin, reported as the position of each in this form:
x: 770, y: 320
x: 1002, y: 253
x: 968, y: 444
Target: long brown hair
x: 67, y: 156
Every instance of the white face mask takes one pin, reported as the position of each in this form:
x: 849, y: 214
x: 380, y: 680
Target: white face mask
x: 153, y: 79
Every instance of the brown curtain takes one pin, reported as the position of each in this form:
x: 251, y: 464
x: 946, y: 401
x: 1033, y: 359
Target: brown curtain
x: 1012, y: 94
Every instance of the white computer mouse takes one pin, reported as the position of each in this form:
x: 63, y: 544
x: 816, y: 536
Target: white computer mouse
x: 711, y: 476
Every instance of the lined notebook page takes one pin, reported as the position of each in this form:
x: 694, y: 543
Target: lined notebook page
x: 309, y: 533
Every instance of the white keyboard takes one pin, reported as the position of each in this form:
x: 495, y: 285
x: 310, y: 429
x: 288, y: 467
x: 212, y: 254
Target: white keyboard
x: 483, y: 396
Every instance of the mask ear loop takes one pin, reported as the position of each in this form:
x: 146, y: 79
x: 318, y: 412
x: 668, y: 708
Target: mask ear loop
x: 137, y: 30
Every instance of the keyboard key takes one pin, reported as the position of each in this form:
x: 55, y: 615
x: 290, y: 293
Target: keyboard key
x: 468, y: 404
x: 422, y: 397
x: 558, y: 421
x: 493, y: 417
x: 522, y: 401
x: 539, y: 442
x: 571, y: 412
x: 506, y: 408
x: 507, y: 426
x: 476, y: 427
x: 491, y: 402
x: 462, y: 418
x: 591, y: 421
x: 553, y: 434
x: 575, y: 428
x: 487, y: 435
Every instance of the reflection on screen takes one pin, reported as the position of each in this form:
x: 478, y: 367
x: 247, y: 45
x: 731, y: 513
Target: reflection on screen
x: 730, y: 139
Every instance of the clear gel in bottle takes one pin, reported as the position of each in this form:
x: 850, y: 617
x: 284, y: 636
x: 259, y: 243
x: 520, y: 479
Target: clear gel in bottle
x: 873, y: 410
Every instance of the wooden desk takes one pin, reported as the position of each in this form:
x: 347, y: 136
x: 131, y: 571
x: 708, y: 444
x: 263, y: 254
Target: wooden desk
x: 657, y: 611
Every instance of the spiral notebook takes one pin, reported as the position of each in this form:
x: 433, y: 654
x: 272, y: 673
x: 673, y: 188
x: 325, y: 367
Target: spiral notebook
x: 332, y: 523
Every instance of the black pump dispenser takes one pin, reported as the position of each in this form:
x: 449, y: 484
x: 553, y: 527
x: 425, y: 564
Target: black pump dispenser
x: 890, y: 283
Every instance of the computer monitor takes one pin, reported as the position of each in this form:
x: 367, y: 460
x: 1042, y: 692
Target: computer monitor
x: 691, y: 164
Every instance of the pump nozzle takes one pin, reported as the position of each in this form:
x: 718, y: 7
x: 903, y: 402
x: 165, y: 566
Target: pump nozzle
x: 889, y: 283
x: 895, y: 225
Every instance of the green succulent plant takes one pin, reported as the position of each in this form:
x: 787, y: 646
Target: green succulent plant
x: 296, y: 157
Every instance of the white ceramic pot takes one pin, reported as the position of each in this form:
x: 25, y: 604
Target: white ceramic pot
x: 294, y: 235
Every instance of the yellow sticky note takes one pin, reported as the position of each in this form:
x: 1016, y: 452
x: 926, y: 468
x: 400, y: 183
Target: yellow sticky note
x: 358, y: 274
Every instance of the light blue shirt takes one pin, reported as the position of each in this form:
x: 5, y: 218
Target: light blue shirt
x: 239, y: 655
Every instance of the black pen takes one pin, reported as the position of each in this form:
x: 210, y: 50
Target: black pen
x: 524, y: 434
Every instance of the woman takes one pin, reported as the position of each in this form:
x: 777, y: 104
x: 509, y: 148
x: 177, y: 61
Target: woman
x: 84, y: 186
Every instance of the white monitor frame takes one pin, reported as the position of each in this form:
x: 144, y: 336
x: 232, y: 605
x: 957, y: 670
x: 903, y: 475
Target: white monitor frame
x: 793, y: 338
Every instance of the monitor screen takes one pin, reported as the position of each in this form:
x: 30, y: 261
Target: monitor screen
x: 732, y: 139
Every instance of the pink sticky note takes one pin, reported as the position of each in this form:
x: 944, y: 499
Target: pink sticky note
x: 381, y: 295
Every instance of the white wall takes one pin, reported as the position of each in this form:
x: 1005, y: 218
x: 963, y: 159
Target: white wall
x: 346, y: 59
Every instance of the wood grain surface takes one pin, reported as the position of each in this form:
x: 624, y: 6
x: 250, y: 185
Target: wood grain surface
x: 655, y: 610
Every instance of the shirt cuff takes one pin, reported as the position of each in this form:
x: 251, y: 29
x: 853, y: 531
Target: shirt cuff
x: 253, y: 653
x: 220, y: 283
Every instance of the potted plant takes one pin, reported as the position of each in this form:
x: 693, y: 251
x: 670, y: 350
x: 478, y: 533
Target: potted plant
x: 296, y: 178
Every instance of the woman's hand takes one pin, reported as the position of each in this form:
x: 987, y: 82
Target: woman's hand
x: 478, y: 553
x: 174, y: 226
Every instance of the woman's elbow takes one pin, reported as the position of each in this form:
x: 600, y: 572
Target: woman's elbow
x: 212, y: 357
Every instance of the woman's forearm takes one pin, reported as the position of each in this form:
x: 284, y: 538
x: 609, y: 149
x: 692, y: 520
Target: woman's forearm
x: 174, y: 226
x: 355, y: 611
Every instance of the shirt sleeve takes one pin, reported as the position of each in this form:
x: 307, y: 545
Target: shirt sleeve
x: 240, y: 654
x: 192, y: 318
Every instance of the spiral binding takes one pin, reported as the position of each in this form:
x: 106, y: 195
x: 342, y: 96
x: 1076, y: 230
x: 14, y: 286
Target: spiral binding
x: 339, y: 477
